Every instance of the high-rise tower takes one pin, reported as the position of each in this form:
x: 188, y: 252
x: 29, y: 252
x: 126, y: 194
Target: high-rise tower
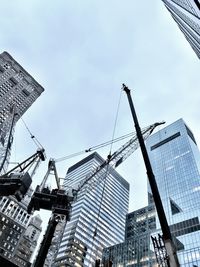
x: 18, y: 91
x: 13, y: 221
x: 175, y: 160
x: 28, y: 242
x: 97, y: 217
x: 186, y: 13
x: 135, y: 251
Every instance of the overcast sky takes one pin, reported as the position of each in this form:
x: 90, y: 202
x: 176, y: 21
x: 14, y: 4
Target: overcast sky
x: 81, y: 52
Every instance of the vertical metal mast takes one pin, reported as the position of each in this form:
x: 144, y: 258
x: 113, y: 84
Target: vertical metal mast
x: 171, y: 251
x: 8, y: 146
x: 46, y: 242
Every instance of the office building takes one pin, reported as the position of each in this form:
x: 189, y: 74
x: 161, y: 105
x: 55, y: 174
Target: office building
x: 18, y: 91
x: 28, y: 242
x: 186, y: 14
x: 175, y: 160
x: 14, y: 220
x: 135, y: 251
x: 97, y: 217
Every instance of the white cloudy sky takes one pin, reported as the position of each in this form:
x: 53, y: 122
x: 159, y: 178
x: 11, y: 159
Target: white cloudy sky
x: 81, y: 52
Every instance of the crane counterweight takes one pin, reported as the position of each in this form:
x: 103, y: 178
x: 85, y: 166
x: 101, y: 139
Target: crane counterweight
x: 17, y: 180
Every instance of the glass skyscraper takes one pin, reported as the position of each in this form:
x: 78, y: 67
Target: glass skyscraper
x: 97, y: 217
x: 175, y: 160
x: 186, y: 13
x: 135, y: 251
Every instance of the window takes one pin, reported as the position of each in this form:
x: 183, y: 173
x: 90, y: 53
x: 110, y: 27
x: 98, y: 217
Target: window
x: 1, y: 69
x: 33, y: 234
x: 13, y: 81
x: 165, y: 140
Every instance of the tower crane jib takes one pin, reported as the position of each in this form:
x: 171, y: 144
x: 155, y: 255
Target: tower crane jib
x: 116, y: 158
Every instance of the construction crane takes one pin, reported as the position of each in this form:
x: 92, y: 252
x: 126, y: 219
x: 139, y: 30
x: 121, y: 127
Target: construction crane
x: 17, y: 180
x: 167, y: 237
x: 59, y: 201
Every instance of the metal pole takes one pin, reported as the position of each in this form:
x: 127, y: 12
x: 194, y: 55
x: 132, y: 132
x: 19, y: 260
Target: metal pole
x: 46, y: 242
x: 173, y: 259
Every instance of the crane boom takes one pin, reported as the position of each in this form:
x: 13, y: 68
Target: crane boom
x: 16, y: 181
x: 167, y: 237
x: 114, y: 160
x: 59, y: 201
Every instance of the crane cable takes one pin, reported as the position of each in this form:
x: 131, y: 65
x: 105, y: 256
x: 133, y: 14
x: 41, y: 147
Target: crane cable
x: 111, y: 142
x: 99, y: 211
x: 35, y: 140
x: 113, y: 134
x: 107, y: 169
x: 96, y: 147
x: 115, y: 123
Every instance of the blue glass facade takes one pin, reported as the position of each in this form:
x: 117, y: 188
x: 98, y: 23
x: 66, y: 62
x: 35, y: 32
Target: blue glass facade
x: 175, y: 160
x: 135, y: 251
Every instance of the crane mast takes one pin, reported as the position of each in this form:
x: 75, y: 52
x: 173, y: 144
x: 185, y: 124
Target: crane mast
x: 167, y: 237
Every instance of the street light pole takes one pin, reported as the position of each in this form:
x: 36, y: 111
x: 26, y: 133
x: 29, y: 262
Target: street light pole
x: 171, y: 251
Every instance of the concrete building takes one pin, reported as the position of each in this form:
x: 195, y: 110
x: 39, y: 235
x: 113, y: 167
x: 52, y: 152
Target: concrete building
x: 19, y: 230
x: 18, y: 91
x: 175, y: 160
x: 97, y: 216
x: 186, y: 14
x: 28, y: 242
x: 14, y: 220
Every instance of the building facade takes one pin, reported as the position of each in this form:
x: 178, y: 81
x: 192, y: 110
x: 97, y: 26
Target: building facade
x: 18, y: 91
x: 14, y: 220
x: 186, y: 14
x: 97, y: 216
x: 19, y: 230
x: 135, y: 251
x: 28, y: 242
x: 175, y: 160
